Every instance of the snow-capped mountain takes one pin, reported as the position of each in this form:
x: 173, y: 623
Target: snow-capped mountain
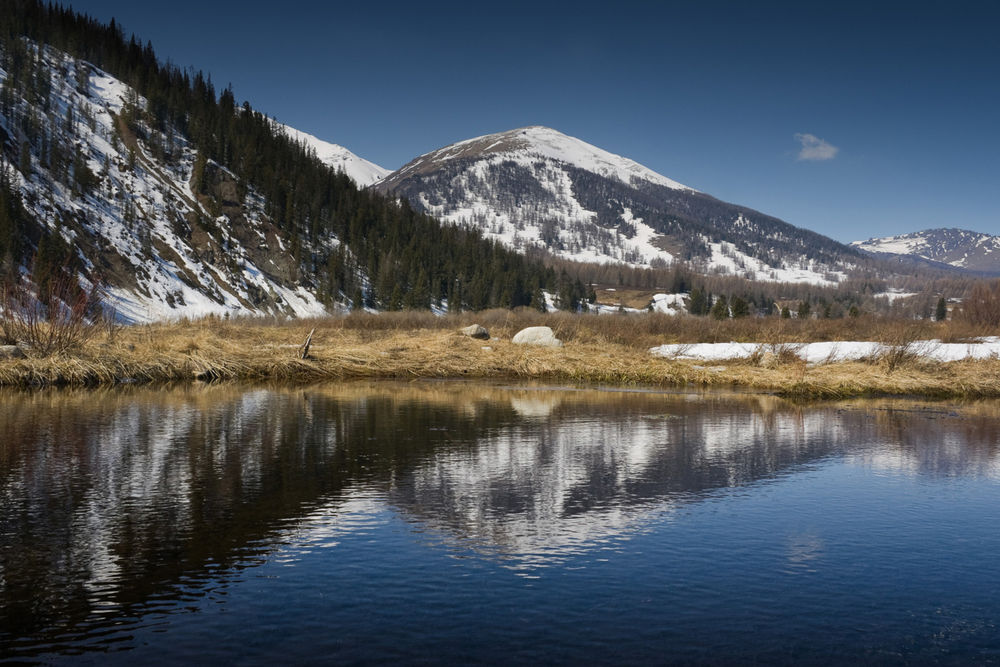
x: 363, y: 172
x: 177, y: 202
x: 541, y: 142
x: 537, y: 187
x: 961, y: 248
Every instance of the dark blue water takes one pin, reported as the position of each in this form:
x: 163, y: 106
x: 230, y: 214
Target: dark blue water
x: 443, y: 523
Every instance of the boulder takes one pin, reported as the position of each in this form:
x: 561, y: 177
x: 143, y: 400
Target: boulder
x: 11, y: 352
x: 475, y: 331
x: 769, y: 359
x: 542, y: 336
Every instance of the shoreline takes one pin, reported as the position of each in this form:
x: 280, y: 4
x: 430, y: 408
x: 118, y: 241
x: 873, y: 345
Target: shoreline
x: 253, y: 352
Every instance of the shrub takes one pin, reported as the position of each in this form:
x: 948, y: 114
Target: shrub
x: 897, y: 346
x: 59, y: 317
x: 982, y: 306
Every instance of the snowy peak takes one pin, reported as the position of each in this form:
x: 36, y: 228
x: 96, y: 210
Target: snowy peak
x: 542, y: 142
x: 535, y: 187
x: 363, y: 172
x: 961, y: 248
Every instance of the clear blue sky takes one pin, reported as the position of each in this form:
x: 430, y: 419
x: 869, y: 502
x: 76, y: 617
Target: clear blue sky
x: 898, y: 105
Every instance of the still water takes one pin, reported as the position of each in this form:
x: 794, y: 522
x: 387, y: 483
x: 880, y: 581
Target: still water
x: 444, y: 523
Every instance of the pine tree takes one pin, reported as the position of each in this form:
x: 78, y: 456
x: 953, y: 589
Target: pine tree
x: 419, y: 295
x: 697, y: 303
x: 198, y: 181
x: 941, y: 312
x: 538, y: 300
x: 720, y: 309
x: 24, y: 162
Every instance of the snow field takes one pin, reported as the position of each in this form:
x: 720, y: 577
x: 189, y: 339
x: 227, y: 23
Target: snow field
x: 832, y: 351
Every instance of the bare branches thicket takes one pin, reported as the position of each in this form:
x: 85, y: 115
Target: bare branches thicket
x: 58, y: 317
x: 982, y: 306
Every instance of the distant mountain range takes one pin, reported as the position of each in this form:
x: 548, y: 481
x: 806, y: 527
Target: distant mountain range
x: 960, y: 248
x: 181, y: 203
x: 536, y: 187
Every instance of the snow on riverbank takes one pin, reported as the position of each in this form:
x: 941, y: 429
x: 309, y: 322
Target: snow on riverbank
x: 814, y: 353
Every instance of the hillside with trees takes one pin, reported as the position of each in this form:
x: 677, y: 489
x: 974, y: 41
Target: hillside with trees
x: 320, y: 234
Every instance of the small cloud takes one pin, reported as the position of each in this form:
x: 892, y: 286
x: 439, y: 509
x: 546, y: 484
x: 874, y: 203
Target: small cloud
x: 814, y: 148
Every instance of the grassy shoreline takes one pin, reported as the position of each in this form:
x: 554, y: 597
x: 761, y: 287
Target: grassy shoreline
x: 258, y: 350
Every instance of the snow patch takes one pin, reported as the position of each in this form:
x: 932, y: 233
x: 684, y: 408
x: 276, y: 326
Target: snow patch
x: 833, y: 351
x: 363, y: 172
x: 670, y: 304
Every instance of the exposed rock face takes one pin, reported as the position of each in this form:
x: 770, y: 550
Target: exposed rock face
x: 475, y: 331
x: 541, y: 336
x: 11, y: 352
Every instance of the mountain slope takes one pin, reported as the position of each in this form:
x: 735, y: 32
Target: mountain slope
x: 132, y: 216
x: 536, y: 187
x: 143, y: 179
x: 338, y: 158
x: 961, y: 248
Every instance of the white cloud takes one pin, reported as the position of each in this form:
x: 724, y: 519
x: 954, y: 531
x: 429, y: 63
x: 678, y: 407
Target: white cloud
x: 814, y: 148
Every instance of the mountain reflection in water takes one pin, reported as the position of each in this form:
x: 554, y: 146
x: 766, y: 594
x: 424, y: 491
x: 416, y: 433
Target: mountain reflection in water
x: 119, y: 506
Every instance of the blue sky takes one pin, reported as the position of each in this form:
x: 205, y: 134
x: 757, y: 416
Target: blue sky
x: 896, y: 105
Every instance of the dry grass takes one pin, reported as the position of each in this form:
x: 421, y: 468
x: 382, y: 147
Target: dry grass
x: 609, y: 349
x: 644, y: 330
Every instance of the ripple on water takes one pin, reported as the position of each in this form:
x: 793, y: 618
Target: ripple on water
x: 470, y: 524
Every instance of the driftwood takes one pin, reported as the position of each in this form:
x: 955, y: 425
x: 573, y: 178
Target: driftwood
x: 304, y: 350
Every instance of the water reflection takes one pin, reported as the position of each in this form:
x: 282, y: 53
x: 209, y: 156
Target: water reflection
x: 122, y: 505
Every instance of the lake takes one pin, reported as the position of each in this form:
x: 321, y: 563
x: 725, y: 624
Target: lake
x: 440, y: 522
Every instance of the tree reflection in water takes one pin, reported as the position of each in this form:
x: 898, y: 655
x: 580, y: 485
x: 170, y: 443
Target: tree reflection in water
x: 118, y: 504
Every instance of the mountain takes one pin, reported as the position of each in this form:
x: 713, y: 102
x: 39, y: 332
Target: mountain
x: 537, y: 187
x: 132, y: 216
x: 961, y: 248
x: 338, y: 158
x: 139, y: 177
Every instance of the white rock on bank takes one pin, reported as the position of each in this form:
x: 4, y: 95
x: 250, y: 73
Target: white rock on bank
x: 541, y: 336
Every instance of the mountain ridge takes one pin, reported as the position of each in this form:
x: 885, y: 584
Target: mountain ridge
x: 960, y: 248
x: 177, y: 202
x: 546, y: 142
x: 536, y: 187
x: 337, y: 157
x: 182, y: 203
